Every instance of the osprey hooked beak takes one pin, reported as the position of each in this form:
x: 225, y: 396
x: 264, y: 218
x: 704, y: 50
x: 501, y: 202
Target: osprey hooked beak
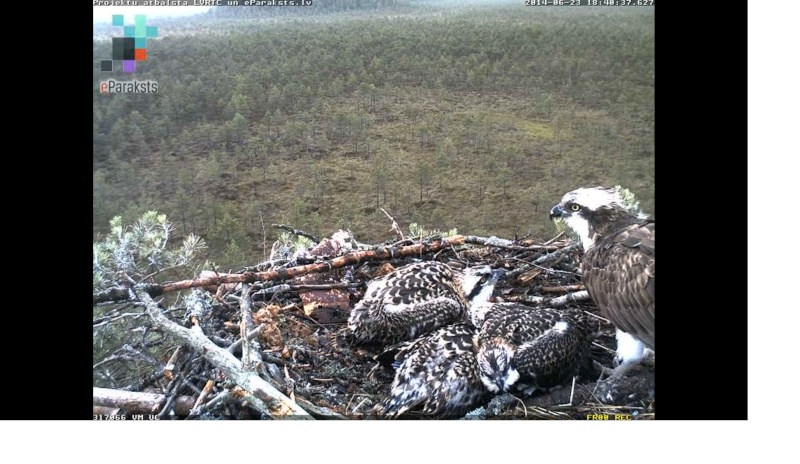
x: 556, y: 212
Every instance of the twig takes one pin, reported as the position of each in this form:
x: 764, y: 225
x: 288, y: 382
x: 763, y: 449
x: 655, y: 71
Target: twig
x: 172, y: 397
x: 248, y: 358
x: 296, y: 288
x: 560, y: 234
x: 524, y: 409
x: 251, y: 401
x: 597, y: 317
x: 562, y: 289
x: 223, y: 397
x: 583, y: 295
x: 296, y: 232
x: 127, y: 353
x: 603, y: 347
x: 358, y: 406
x: 196, y: 408
x: 319, y: 412
x: 556, y: 254
x: 278, y: 404
x: 507, y: 244
x: 395, y: 227
x: 107, y: 320
x: 173, y: 360
x: 250, y: 335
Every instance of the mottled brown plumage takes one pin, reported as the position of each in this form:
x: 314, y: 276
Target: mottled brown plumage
x: 437, y: 375
x: 535, y: 347
x: 415, y: 299
x: 619, y: 272
x: 619, y: 265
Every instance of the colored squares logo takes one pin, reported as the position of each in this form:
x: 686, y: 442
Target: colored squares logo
x: 132, y: 46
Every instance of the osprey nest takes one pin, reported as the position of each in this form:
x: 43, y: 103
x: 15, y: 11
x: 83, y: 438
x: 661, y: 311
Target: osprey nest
x: 297, y: 362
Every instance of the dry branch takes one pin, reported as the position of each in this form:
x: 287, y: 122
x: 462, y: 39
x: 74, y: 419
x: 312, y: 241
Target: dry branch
x: 295, y: 288
x: 173, y: 361
x: 278, y: 404
x: 582, y: 295
x: 138, y: 402
x: 395, y: 227
x: 353, y: 258
x: 562, y: 289
x: 296, y: 232
x: 233, y: 347
x: 507, y: 244
x: 556, y: 254
x: 196, y: 408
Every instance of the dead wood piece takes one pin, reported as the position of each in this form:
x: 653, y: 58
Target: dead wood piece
x: 506, y: 244
x: 560, y: 234
x: 556, y: 254
x: 323, y: 304
x: 319, y: 412
x: 250, y: 357
x: 353, y: 258
x: 395, y: 228
x: 278, y: 404
x: 529, y: 275
x: 237, y: 345
x: 173, y: 361
x: 563, y: 300
x: 297, y: 288
x: 339, y: 243
x: 105, y: 411
x: 582, y: 295
x: 196, y: 407
x: 296, y: 232
x: 562, y: 289
x: 138, y: 402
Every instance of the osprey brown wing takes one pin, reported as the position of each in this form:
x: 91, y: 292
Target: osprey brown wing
x: 619, y: 272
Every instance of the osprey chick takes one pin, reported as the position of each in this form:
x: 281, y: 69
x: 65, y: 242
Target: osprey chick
x: 618, y: 267
x: 540, y: 347
x: 436, y: 373
x: 418, y: 298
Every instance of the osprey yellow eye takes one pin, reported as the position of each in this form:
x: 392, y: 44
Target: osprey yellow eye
x: 575, y: 207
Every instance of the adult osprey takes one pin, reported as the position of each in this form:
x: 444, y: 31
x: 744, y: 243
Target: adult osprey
x: 436, y: 374
x: 618, y: 267
x: 540, y: 347
x: 417, y: 298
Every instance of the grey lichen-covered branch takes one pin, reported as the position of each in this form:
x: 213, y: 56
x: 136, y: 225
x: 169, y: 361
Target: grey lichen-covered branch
x: 278, y: 404
x: 356, y: 257
x: 573, y: 297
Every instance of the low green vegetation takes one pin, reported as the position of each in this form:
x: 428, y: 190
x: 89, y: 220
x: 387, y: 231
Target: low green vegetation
x: 477, y: 119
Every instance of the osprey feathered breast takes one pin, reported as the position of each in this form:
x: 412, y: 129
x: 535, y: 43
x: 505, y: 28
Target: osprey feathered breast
x: 436, y: 374
x: 619, y: 264
x: 417, y: 298
x: 540, y: 348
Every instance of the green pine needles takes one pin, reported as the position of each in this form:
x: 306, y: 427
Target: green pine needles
x: 141, y: 250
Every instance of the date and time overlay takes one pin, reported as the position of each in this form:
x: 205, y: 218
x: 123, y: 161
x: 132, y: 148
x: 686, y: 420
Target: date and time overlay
x: 590, y: 2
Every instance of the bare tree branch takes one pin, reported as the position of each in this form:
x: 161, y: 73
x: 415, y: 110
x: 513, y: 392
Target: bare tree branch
x: 138, y: 402
x: 278, y: 404
x: 296, y: 232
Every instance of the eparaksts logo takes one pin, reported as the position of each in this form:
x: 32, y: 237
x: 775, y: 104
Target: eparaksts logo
x: 112, y: 86
x: 132, y: 46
